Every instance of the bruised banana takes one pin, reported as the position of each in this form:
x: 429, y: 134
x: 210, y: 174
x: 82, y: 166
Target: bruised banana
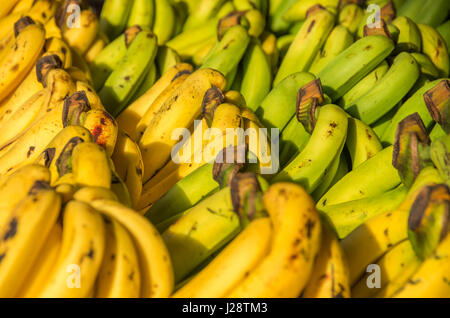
x: 103, y: 128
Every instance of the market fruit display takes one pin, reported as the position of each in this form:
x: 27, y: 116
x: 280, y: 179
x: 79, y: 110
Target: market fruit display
x: 224, y: 148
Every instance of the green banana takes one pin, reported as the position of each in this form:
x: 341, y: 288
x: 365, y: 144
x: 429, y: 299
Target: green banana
x: 437, y: 132
x: 283, y: 43
x: 146, y: 83
x: 256, y: 76
x: 431, y: 12
x: 347, y: 216
x: 299, y: 9
x: 166, y: 58
x: 142, y: 13
x: 204, y: 10
x: 381, y: 124
x: 228, y: 52
x: 307, y: 42
x: 440, y: 155
x: 374, y: 176
x: 114, y: 16
x: 414, y: 104
x: 293, y: 140
x: 388, y: 91
x: 427, y: 67
x: 351, y: 16
x: 122, y: 83
x: 351, y: 65
x: 433, y: 45
x: 362, y: 143
x: 277, y: 22
x: 164, y: 22
x: 444, y: 31
x: 278, y: 107
x: 409, y: 38
x: 338, y: 40
x: 325, y: 144
x: 327, y: 179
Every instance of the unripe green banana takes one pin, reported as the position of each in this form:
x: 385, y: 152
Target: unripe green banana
x: 283, y: 43
x: 347, y: 216
x: 327, y: 178
x: 124, y: 80
x: 278, y: 107
x: 444, y: 31
x: 166, y: 58
x: 440, y: 155
x: 204, y: 10
x: 351, y: 16
x: 349, y: 67
x: 381, y: 124
x: 146, y: 83
x: 431, y: 12
x: 142, y: 13
x: 227, y: 53
x: 256, y: 22
x: 437, y: 132
x: 393, y: 86
x: 256, y: 77
x: 414, y: 104
x: 299, y: 9
x: 164, y: 23
x: 427, y: 67
x: 338, y: 40
x: 409, y: 38
x: 307, y: 42
x: 434, y: 46
x: 114, y: 16
x: 372, y: 177
x: 325, y: 144
x: 293, y: 140
x: 365, y: 84
x: 277, y: 22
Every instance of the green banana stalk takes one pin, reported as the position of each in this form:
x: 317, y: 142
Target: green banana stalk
x: 124, y: 80
x: 307, y: 42
x: 114, y: 16
x: 444, y: 31
x: 279, y: 107
x: 325, y: 144
x: 338, y: 40
x: 414, y: 104
x: 431, y: 12
x: 164, y: 22
x: 142, y: 13
x: 351, y: 65
x: 227, y: 53
x: 427, y: 67
x: 433, y: 45
x: 347, y: 216
x: 351, y: 16
x: 373, y: 177
x: 364, y: 85
x: 388, y: 91
x: 256, y: 76
x: 409, y: 38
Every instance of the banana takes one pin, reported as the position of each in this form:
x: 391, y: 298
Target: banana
x: 391, y: 267
x: 431, y: 278
x: 414, y: 104
x: 293, y: 140
x: 127, y: 159
x: 142, y: 14
x: 204, y: 9
x: 155, y: 266
x: 277, y: 23
x: 103, y: 128
x: 82, y: 249
x: 326, y: 142
x: 338, y: 40
x: 278, y: 107
x: 327, y: 178
x: 8, y: 5
x: 175, y: 113
x: 433, y: 45
x: 373, y: 238
x: 355, y: 62
x: 330, y: 276
x: 230, y: 266
x: 198, y: 57
x: 89, y: 194
x: 307, y: 42
x: 119, y: 188
x: 146, y: 83
x: 24, y: 232
x: 22, y: 6
x: 164, y: 23
x: 59, y: 47
x: 153, y: 109
x: 444, y: 31
x: 298, y: 10
x: 439, y: 153
x: 21, y: 55
x: 409, y: 38
x: 297, y: 231
x: 42, y: 267
x: 374, y: 176
x: 427, y: 67
x: 351, y: 16
x: 107, y: 60
x: 114, y: 16
x: 130, y: 117
x: 99, y: 43
x: 52, y: 29
x: 166, y: 59
x: 121, y: 84
x: 428, y: 12
x: 257, y: 75
x: 227, y: 52
x: 119, y: 275
x: 81, y: 38
x: 347, y: 216
x: 269, y: 46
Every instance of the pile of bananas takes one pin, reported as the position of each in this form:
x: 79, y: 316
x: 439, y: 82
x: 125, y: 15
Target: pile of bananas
x: 338, y: 185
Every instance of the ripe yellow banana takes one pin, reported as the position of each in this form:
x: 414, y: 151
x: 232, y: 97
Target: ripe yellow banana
x: 129, y: 118
x: 103, y: 127
x: 89, y: 194
x: 285, y: 271
x: 7, y: 6
x: 83, y: 244
x: 99, y: 43
x: 52, y: 29
x: 24, y: 232
x: 81, y: 37
x: 155, y: 265
x: 59, y: 47
x: 119, y: 275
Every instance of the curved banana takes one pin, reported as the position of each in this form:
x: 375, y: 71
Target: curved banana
x: 427, y: 67
x: 155, y: 265
x: 164, y: 23
x: 8, y: 5
x: 351, y: 16
x: 89, y: 194
x: 166, y: 59
x: 114, y: 16
x: 119, y: 274
x: 99, y: 43
x: 142, y: 14
x: 433, y: 45
x: 81, y: 38
x: 409, y: 38
x: 146, y: 83
x: 59, y: 47
x: 103, y: 128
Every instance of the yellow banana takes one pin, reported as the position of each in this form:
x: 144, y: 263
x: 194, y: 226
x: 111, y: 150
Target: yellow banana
x: 119, y: 275
x: 92, y: 97
x: 285, y: 271
x: 52, y: 29
x: 7, y: 6
x: 81, y: 37
x: 100, y: 42
x: 103, y: 128
x: 88, y: 194
x: 156, y: 269
x: 59, y: 47
x: 24, y: 232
